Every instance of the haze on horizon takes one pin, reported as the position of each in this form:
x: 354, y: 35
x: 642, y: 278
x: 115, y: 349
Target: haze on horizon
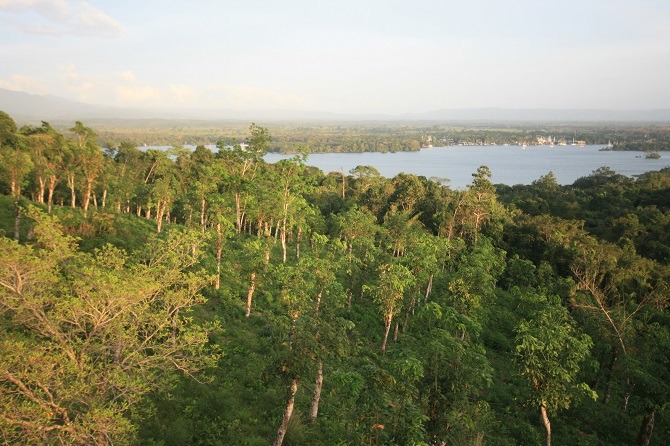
x: 375, y: 56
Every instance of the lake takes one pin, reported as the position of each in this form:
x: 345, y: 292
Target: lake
x: 509, y: 164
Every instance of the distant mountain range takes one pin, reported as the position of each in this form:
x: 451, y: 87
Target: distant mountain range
x: 27, y: 107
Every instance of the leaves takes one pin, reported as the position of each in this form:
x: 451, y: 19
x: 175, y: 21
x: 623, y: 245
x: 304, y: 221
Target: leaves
x: 89, y: 335
x: 551, y: 351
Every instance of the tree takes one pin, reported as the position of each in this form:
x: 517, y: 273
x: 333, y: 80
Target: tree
x: 408, y: 190
x: 620, y: 292
x: 475, y: 277
x: 203, y: 178
x: 480, y: 202
x: 48, y: 148
x: 357, y: 227
x: 652, y: 374
x: 223, y: 227
x: 457, y: 372
x: 290, y: 182
x: 388, y: 293
x: 15, y: 163
x: 36, y: 144
x: 242, y: 164
x: 7, y: 130
x: 550, y: 350
x: 131, y: 175
x: 90, y: 158
x: 255, y: 258
x: 297, y: 343
x: 86, y: 336
x: 163, y: 187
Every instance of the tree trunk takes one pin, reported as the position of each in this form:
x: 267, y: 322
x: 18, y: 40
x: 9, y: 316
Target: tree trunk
x: 160, y: 213
x: 318, y: 303
x: 429, y: 288
x: 42, y: 188
x: 350, y: 293
x: 626, y: 396
x: 238, y: 212
x: 73, y: 194
x: 17, y: 220
x: 288, y: 412
x: 547, y: 425
x: 297, y: 245
x: 219, y: 251
x: 50, y: 192
x: 203, y: 204
x: 388, y: 319
x: 266, y: 259
x: 13, y: 189
x: 250, y: 294
x: 87, y: 195
x: 318, y: 385
x: 283, y: 240
x: 608, y: 378
x: 410, y: 312
x: 647, y: 428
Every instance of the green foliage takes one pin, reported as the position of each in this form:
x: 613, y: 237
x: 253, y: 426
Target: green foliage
x: 490, y: 302
x: 89, y: 334
x: 550, y: 353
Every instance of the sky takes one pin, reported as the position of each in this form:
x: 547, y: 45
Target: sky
x: 344, y: 56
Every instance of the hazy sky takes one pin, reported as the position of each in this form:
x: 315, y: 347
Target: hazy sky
x: 358, y: 56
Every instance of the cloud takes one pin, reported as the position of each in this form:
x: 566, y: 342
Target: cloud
x: 28, y: 84
x: 70, y: 77
x: 59, y: 17
x: 138, y: 95
x: 183, y: 94
x: 249, y: 97
x: 130, y: 91
x: 127, y: 76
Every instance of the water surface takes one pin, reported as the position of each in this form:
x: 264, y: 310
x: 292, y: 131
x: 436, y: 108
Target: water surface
x: 508, y: 164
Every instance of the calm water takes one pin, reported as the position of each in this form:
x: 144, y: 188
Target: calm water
x: 509, y: 164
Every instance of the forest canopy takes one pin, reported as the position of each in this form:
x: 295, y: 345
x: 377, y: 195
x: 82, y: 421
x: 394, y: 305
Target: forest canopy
x: 191, y: 297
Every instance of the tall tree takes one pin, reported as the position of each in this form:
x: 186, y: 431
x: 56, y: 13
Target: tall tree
x: 49, y: 149
x: 129, y: 168
x: 291, y: 186
x: 480, y: 202
x: 394, y: 280
x: 357, y: 227
x: 90, y: 159
x: 550, y: 350
x: 86, y: 336
x: 242, y: 162
x: 15, y: 163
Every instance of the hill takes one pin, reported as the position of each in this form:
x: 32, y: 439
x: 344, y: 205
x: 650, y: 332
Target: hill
x: 28, y: 107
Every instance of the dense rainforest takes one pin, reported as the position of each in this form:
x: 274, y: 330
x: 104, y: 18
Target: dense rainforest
x: 189, y: 297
